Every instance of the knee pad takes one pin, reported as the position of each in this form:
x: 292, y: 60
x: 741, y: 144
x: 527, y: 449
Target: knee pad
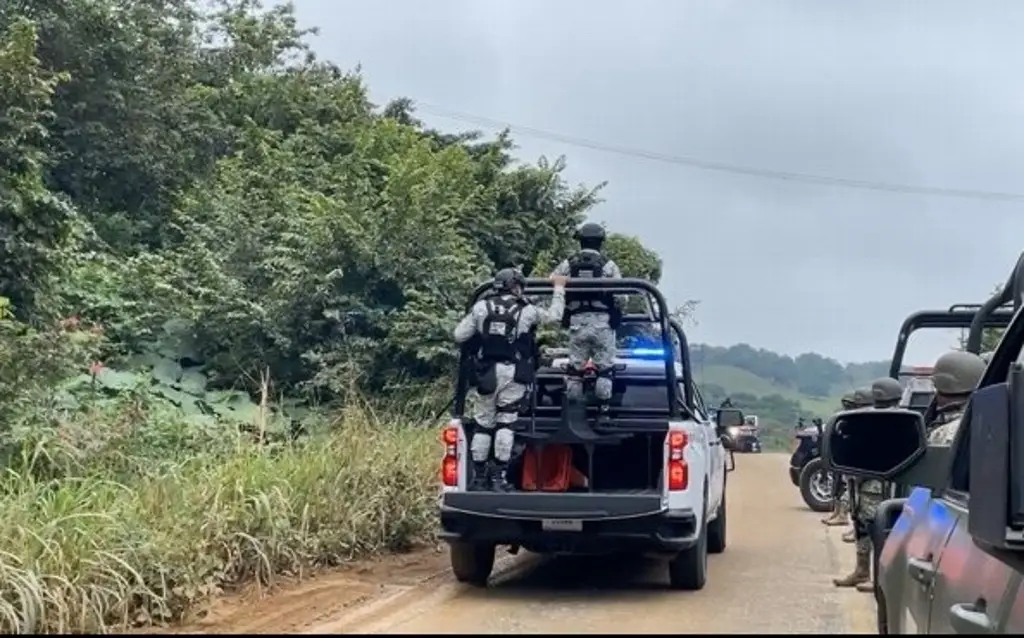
x: 503, y: 441
x: 573, y: 388
x: 480, y: 447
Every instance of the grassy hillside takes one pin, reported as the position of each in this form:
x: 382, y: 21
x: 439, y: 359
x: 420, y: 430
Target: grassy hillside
x: 738, y: 381
x: 777, y: 388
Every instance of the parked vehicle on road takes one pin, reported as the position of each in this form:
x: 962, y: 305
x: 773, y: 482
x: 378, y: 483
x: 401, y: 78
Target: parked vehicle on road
x: 950, y: 556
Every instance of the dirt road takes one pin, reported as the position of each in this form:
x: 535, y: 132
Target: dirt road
x: 775, y: 577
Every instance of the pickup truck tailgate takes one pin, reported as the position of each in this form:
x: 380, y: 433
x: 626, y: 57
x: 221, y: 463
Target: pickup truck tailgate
x: 540, y: 505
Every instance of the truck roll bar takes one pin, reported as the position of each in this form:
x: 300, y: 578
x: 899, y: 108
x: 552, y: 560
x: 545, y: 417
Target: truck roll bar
x: 624, y: 286
x: 966, y: 319
x: 1012, y: 294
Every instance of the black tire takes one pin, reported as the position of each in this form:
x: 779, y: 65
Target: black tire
x: 471, y: 563
x: 815, y: 499
x: 717, y: 527
x: 689, y: 569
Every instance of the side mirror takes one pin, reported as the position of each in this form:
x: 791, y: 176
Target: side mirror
x: 996, y: 478
x: 869, y: 443
x: 728, y: 417
x: 727, y: 424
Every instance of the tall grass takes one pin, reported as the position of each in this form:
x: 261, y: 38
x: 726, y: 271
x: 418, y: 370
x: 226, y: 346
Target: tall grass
x: 138, y: 533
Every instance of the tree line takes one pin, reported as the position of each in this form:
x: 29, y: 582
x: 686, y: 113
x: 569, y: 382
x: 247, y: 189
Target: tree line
x: 191, y: 199
x: 809, y: 373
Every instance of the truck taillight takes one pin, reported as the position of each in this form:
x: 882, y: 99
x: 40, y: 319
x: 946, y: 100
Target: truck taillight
x: 677, y: 471
x: 450, y: 463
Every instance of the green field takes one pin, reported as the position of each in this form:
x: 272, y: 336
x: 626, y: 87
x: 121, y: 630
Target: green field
x: 737, y: 380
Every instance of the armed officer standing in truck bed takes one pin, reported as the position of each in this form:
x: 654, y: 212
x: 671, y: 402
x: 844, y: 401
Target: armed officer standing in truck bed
x: 505, y: 322
x: 591, y: 317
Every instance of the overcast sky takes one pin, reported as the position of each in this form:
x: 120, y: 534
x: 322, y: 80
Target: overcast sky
x: 925, y: 93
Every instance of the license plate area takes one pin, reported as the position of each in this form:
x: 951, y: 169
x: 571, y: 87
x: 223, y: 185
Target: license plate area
x: 561, y: 525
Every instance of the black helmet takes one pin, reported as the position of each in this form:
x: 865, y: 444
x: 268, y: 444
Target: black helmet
x: 506, y: 279
x: 590, y: 232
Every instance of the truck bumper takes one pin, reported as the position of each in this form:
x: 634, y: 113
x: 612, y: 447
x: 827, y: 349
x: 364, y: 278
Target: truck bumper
x: 600, y: 523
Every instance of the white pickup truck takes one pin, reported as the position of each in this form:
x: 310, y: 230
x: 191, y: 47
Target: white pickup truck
x: 656, y: 483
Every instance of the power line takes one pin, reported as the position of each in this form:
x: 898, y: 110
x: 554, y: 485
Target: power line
x: 709, y: 165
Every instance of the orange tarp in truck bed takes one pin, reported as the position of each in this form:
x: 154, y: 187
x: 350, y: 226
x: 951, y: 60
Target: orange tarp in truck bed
x: 549, y: 468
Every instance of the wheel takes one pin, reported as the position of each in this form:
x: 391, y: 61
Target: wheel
x: 472, y: 563
x: 689, y: 569
x: 716, y: 529
x: 816, y: 486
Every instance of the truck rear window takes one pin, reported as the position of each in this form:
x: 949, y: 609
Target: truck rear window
x: 645, y: 396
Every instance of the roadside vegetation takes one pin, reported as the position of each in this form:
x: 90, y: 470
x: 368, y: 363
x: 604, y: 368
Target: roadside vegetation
x: 227, y: 285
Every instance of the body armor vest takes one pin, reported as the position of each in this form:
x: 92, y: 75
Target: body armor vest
x: 588, y: 264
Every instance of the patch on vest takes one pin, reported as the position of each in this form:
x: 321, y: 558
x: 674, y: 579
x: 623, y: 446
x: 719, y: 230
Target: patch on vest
x: 498, y: 328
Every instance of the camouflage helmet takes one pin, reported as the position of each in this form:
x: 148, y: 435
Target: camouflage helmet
x: 886, y: 390
x: 957, y: 372
x: 863, y: 398
x: 847, y: 401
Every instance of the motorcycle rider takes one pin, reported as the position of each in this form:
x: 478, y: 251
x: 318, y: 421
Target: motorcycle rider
x: 505, y: 324
x: 591, y: 317
x: 866, y: 495
x: 955, y: 376
x: 859, y: 398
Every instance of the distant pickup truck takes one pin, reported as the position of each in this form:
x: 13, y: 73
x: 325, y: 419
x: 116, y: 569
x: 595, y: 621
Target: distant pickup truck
x: 950, y: 556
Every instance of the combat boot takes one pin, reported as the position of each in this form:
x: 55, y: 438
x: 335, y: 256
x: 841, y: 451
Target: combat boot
x: 867, y: 587
x: 861, y: 572
x: 481, y: 478
x: 499, y: 481
x: 839, y: 516
x: 850, y: 536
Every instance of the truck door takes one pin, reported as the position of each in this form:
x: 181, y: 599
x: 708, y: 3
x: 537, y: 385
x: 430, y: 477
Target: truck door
x: 971, y: 586
x: 912, y: 551
x: 716, y: 473
x: 1013, y: 621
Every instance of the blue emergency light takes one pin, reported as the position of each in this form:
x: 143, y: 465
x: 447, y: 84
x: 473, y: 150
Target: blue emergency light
x: 645, y: 353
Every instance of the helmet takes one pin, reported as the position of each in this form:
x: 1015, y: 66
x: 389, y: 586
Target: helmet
x: 506, y: 279
x: 863, y: 398
x: 957, y: 372
x: 590, y: 232
x: 848, y: 401
x: 886, y: 390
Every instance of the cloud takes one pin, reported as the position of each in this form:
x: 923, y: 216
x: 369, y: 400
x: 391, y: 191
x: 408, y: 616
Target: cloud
x: 924, y: 93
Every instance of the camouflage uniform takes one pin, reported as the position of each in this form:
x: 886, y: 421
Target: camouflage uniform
x: 955, y: 376
x: 868, y: 494
x: 591, y: 335
x: 495, y: 410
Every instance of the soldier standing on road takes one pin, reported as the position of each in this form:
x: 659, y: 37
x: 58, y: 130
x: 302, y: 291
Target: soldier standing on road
x: 591, y: 317
x: 505, y: 323
x: 955, y: 376
x: 860, y: 398
x: 886, y: 393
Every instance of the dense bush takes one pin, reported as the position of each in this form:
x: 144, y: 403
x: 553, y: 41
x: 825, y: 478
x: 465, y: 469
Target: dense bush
x: 212, y: 243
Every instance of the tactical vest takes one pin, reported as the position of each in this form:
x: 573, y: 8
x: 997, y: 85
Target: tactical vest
x: 588, y: 264
x: 499, y: 338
